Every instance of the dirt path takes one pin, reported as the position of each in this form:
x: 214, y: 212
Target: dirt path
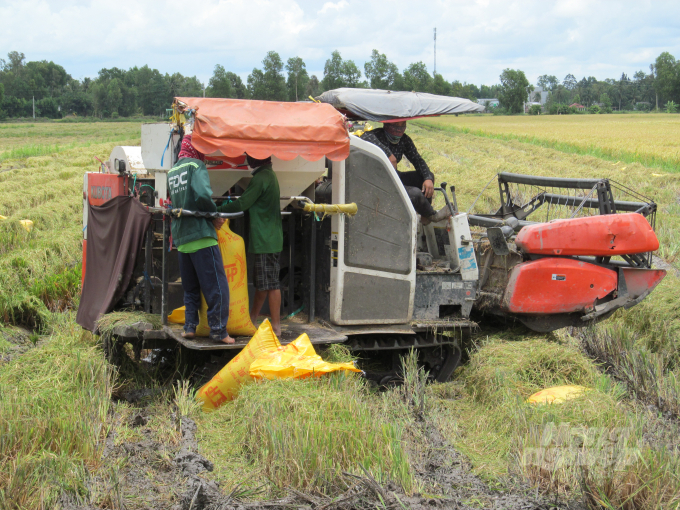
x: 158, y: 475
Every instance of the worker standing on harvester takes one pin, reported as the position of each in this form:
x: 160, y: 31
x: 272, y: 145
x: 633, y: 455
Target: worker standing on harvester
x: 265, y: 241
x: 200, y: 259
x: 419, y: 184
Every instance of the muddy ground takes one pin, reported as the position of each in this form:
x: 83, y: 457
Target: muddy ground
x: 162, y: 475
x: 172, y: 474
x: 20, y: 340
x: 157, y: 476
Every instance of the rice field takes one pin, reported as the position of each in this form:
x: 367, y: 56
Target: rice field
x: 649, y: 139
x: 41, y: 179
x: 470, y: 161
x: 631, y: 409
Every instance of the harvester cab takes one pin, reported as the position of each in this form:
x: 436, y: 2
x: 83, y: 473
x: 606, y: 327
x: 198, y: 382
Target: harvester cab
x: 358, y: 267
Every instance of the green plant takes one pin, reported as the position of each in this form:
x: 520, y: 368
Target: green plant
x: 671, y: 107
x: 560, y: 109
x: 415, y: 381
x: 535, y: 109
x: 305, y: 433
x: 53, y: 414
x: 594, y: 109
x: 185, y: 399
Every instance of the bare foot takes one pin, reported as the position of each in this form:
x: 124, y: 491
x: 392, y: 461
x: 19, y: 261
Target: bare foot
x: 188, y: 336
x: 277, y: 329
x: 253, y: 320
x: 228, y: 340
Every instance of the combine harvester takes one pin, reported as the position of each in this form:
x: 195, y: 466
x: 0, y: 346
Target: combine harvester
x: 548, y: 252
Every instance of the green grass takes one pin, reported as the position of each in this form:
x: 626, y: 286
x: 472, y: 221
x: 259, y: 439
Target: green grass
x: 594, y: 445
x: 305, y: 433
x: 54, y: 405
x: 30, y: 151
x: 642, y: 346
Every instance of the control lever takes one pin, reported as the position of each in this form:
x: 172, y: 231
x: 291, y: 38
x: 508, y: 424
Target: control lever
x: 453, y: 210
x: 453, y: 197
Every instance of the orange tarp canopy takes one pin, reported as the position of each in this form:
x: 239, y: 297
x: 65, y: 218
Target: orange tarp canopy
x: 230, y: 127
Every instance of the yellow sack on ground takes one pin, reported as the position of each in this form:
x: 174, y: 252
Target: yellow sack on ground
x: 556, y: 394
x: 234, y: 259
x: 226, y: 384
x: 296, y: 360
x: 27, y: 225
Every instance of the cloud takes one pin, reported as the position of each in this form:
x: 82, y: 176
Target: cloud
x: 475, y: 40
x: 330, y: 6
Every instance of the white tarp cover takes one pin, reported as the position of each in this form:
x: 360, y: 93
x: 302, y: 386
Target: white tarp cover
x: 385, y: 105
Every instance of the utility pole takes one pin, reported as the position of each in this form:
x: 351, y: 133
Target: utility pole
x: 434, y: 74
x: 33, y: 107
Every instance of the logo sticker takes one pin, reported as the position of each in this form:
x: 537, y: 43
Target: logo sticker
x: 559, y: 277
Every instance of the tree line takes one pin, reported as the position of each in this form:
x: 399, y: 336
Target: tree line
x: 145, y: 91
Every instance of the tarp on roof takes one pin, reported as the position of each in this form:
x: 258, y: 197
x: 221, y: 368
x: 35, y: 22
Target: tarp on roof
x: 387, y: 105
x: 230, y: 127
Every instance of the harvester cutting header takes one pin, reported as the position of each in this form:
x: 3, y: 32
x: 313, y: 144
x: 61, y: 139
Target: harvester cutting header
x: 364, y: 261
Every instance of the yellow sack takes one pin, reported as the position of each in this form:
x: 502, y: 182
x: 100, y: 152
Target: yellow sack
x: 226, y: 384
x: 296, y: 360
x: 178, y: 315
x: 234, y: 259
x: 556, y: 394
x: 27, y: 225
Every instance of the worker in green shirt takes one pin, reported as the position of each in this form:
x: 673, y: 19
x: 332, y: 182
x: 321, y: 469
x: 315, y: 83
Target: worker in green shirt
x: 262, y: 200
x: 200, y: 259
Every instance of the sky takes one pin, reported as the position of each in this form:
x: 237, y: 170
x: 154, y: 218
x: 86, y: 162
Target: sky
x: 476, y: 40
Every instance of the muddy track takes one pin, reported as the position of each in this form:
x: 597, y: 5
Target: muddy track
x: 20, y: 342
x: 448, y: 472
x: 157, y: 476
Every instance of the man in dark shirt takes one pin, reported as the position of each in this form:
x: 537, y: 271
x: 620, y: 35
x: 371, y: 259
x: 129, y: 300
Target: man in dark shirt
x: 419, y: 184
x: 265, y: 242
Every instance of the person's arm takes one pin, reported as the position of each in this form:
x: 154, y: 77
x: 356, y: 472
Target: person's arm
x: 200, y: 185
x: 416, y: 159
x: 418, y: 162
x: 245, y: 201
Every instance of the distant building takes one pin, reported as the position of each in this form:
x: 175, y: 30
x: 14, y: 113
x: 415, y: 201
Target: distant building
x: 488, y: 103
x: 579, y: 107
x: 538, y: 95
